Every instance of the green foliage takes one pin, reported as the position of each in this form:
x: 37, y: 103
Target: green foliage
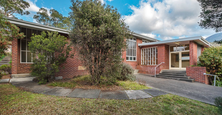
x: 8, y: 32
x: 1, y: 75
x: 99, y: 34
x: 6, y: 68
x: 10, y: 7
x: 54, y: 19
x: 218, y: 103
x: 211, y: 14
x: 131, y: 85
x: 211, y: 58
x: 51, y: 51
x: 126, y: 73
x: 219, y: 83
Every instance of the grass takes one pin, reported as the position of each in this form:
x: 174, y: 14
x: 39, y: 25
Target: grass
x: 130, y: 85
x: 81, y: 80
x: 16, y: 101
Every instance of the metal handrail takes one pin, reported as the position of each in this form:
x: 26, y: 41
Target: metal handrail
x: 158, y: 66
x: 215, y: 76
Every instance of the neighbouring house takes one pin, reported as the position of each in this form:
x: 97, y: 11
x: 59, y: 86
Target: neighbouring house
x: 143, y: 53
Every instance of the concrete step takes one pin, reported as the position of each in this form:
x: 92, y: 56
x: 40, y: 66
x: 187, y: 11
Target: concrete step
x: 180, y: 79
x: 21, y: 75
x: 173, y: 76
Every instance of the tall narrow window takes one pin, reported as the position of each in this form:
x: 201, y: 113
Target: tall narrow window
x: 149, y: 56
x: 25, y: 54
x: 131, y: 50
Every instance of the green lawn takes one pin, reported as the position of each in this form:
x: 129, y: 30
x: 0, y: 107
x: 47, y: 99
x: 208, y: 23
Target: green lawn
x: 79, y: 81
x: 16, y: 101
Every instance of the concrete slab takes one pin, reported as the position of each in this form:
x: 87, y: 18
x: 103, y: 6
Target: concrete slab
x: 85, y: 93
x: 4, y: 80
x: 113, y: 95
x: 13, y: 80
x: 154, y: 92
x: 137, y: 94
x: 58, y: 91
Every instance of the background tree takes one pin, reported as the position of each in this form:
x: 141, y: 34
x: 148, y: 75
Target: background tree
x: 99, y: 34
x: 42, y: 17
x: 52, y: 50
x: 10, y: 7
x: 52, y: 18
x: 211, y: 16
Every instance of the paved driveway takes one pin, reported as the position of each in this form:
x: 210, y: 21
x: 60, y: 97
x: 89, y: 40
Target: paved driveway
x: 196, y: 91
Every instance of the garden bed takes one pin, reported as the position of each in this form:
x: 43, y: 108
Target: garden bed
x: 84, y: 83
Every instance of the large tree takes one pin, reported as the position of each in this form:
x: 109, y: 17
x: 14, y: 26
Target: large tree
x: 99, y: 34
x: 211, y: 15
x: 10, y: 7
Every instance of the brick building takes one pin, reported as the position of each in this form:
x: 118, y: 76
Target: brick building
x: 143, y: 53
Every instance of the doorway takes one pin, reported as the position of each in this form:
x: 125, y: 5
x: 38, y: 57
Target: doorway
x: 179, y: 60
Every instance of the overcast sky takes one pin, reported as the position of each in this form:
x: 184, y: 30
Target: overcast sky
x: 161, y: 19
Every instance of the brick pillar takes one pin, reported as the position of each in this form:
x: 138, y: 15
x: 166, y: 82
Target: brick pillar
x: 15, y: 56
x: 163, y: 56
x: 193, y: 53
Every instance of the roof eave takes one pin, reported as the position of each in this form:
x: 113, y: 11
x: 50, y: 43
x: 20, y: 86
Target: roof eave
x: 36, y: 26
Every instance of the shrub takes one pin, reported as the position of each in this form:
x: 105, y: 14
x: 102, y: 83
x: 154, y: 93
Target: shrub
x: 126, y: 73
x: 218, y: 103
x: 52, y: 50
x: 6, y: 68
x: 211, y: 58
x: 1, y: 75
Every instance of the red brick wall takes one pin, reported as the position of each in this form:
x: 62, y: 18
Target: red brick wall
x: 197, y: 73
x: 163, y: 56
x: 15, y: 56
x: 193, y: 53
x: 148, y: 69
x: 70, y: 67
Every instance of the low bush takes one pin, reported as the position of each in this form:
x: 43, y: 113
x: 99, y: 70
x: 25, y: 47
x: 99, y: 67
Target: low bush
x: 1, y: 75
x: 6, y: 68
x: 218, y: 103
x: 126, y: 73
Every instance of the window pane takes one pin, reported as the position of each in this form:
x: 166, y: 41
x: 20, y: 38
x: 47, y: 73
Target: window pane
x: 23, y: 44
x: 127, y: 58
x: 29, y: 57
x: 134, y: 58
x: 29, y: 34
x: 131, y: 58
x: 134, y: 52
x: 28, y: 45
x: 23, y: 56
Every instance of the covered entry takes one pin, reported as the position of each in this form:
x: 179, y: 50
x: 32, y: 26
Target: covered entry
x: 179, y: 56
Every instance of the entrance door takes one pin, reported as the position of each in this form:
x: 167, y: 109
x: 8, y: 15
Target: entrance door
x: 179, y: 60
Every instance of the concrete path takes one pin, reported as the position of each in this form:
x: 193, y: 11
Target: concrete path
x: 29, y: 85
x: 196, y: 91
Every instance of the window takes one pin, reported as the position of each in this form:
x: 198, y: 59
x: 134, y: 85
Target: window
x: 25, y: 54
x: 131, y: 50
x: 149, y: 56
x: 179, y: 48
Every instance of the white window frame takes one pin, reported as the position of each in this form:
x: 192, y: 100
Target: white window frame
x: 149, y: 56
x: 26, y: 51
x: 131, y: 40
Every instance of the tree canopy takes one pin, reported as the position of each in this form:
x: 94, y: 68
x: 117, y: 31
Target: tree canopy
x: 52, y: 18
x: 211, y: 15
x: 99, y: 33
x: 10, y: 7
